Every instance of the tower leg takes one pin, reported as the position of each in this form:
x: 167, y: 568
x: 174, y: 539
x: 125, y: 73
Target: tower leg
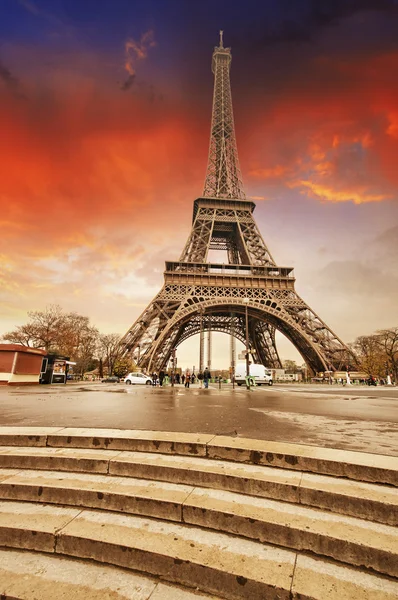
x: 232, y: 348
x: 209, y: 350
x: 201, y: 343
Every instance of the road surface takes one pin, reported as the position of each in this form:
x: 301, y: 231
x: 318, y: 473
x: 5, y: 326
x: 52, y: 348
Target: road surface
x: 355, y: 418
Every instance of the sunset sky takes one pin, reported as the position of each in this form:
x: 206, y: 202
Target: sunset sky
x: 105, y: 110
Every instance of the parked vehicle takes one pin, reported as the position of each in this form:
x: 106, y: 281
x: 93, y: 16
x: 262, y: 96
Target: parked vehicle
x: 137, y: 378
x: 111, y: 379
x: 260, y: 374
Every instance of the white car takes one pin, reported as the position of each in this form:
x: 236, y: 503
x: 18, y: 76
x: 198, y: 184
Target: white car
x: 135, y: 378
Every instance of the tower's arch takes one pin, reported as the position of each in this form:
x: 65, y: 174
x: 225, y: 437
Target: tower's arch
x: 195, y: 288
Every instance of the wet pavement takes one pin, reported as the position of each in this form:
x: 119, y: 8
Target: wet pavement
x: 354, y: 417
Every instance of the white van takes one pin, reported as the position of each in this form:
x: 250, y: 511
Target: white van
x: 260, y: 374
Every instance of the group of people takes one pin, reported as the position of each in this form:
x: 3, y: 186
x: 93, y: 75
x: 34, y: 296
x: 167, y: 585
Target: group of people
x: 158, y: 379
x: 203, y: 378
x: 186, y: 378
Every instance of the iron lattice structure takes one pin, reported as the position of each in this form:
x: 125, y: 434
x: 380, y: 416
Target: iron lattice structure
x: 223, y: 177
x: 199, y: 296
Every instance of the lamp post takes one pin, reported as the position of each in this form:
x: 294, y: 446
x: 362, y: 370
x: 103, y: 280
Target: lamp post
x: 246, y: 301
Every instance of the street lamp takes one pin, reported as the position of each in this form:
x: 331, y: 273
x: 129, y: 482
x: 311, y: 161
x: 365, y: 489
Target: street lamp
x: 246, y: 301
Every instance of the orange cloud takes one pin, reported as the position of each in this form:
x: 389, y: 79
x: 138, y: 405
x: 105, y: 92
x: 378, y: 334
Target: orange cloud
x: 335, y: 127
x: 136, y: 51
x: 269, y: 173
x: 358, y: 196
x: 392, y: 128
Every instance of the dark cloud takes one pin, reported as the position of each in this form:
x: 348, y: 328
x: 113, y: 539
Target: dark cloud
x: 8, y: 78
x: 11, y: 82
x: 128, y: 83
x: 301, y: 21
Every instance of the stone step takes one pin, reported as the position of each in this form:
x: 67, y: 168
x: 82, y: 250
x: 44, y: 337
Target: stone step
x: 368, y: 501
x: 35, y: 576
x: 344, y: 538
x: 229, y: 567
x: 341, y: 463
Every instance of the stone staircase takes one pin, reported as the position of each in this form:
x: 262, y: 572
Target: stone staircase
x: 93, y: 513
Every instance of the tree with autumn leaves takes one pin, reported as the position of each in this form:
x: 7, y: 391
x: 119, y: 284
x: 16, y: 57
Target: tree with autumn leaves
x: 72, y: 335
x: 378, y: 353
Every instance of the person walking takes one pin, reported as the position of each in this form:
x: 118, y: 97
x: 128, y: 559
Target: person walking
x: 154, y: 378
x: 200, y: 379
x: 183, y: 379
x: 206, y: 377
x: 187, y: 379
x: 161, y: 377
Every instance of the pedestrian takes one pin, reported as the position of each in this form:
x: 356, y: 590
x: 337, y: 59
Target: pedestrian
x: 183, y: 379
x: 154, y: 378
x: 206, y: 377
x: 193, y: 378
x: 200, y: 378
x: 161, y: 377
x: 187, y: 379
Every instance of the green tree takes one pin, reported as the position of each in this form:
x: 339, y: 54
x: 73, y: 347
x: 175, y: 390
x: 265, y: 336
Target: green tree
x: 291, y: 366
x: 123, y: 366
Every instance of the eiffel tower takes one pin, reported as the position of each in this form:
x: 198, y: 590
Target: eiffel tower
x: 199, y: 296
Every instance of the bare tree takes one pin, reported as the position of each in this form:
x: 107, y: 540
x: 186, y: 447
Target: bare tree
x: 24, y: 335
x: 67, y: 334
x: 42, y: 331
x: 110, y: 350
x: 369, y: 354
x: 86, y: 349
x: 388, y: 343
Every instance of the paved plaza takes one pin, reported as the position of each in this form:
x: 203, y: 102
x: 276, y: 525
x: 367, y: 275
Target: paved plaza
x: 354, y: 418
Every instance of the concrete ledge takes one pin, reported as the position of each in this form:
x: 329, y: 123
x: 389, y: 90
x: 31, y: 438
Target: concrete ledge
x: 143, y: 441
x: 347, y: 539
x: 358, y: 466
x: 56, y: 459
x: 30, y: 526
x: 32, y: 576
x: 213, y: 562
x: 239, y: 569
x: 320, y: 580
x: 119, y: 494
x: 367, y: 501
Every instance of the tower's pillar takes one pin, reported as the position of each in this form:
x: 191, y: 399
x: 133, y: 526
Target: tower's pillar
x: 201, y: 343
x: 209, y: 350
x: 233, y: 346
